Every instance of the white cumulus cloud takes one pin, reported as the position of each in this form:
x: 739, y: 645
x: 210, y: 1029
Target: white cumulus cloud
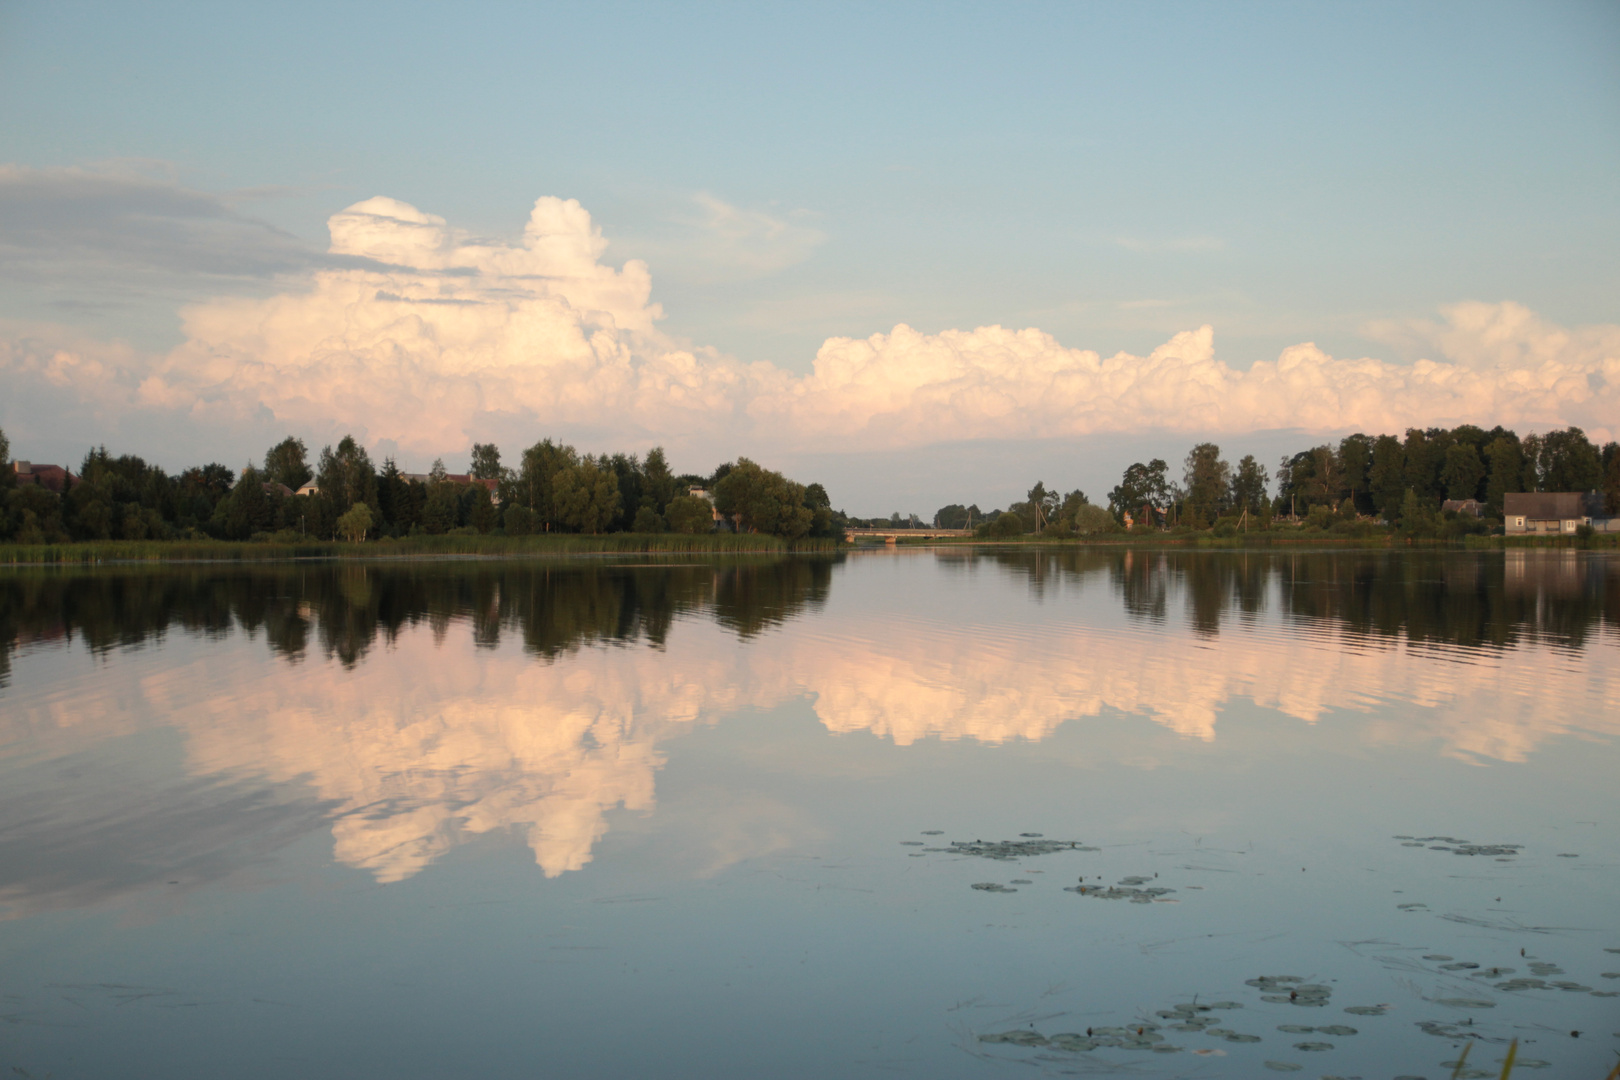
x: 416, y: 335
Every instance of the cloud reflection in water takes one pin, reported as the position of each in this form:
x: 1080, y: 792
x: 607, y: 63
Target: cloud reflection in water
x: 538, y: 700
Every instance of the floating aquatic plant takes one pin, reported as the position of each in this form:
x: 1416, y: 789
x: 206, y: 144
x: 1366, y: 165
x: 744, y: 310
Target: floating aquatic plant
x: 1011, y: 849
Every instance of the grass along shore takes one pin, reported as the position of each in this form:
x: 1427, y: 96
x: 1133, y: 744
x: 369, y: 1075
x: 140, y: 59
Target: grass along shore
x: 541, y: 545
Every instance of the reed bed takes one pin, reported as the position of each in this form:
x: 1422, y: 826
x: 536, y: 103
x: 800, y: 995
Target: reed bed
x: 410, y: 547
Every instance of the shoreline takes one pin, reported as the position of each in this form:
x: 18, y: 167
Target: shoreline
x: 568, y: 546
x: 416, y: 547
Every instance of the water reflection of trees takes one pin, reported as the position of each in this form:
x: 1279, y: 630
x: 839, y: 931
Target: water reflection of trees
x: 1441, y: 597
x: 343, y: 610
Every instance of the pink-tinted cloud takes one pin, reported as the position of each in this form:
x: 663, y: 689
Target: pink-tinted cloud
x: 423, y: 337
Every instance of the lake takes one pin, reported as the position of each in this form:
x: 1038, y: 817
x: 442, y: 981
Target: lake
x: 940, y: 813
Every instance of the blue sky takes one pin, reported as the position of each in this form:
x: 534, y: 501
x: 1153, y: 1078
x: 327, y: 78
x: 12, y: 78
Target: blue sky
x: 1111, y: 174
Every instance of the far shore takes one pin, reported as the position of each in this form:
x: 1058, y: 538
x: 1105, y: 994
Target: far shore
x: 716, y: 544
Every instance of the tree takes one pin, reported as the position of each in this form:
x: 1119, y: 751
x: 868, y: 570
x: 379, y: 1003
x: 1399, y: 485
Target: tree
x: 1611, y: 478
x: 1005, y: 525
x: 481, y: 515
x: 587, y: 495
x: 1506, y: 465
x: 285, y: 463
x: 1042, y: 504
x: 1355, y: 459
x: 437, y: 473
x: 486, y: 461
x: 1387, y: 478
x: 1462, y: 472
x: 690, y: 514
x: 536, y: 479
x: 1208, y: 479
x: 246, y: 510
x: 647, y: 520
x: 8, y: 475
x: 760, y: 500
x: 1249, y: 485
x: 1141, y: 485
x: 441, y: 512
x: 1089, y: 519
x: 355, y: 523
x: 658, y: 485
x: 518, y: 520
x: 1567, y: 461
x: 1417, y: 516
x: 345, y: 476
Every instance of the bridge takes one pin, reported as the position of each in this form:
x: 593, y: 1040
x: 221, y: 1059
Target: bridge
x: 889, y: 536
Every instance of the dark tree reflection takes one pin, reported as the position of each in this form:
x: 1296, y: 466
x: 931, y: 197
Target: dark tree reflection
x: 345, y: 609
x: 1470, y: 599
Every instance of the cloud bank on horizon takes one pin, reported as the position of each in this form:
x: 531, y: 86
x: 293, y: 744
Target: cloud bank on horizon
x: 418, y: 336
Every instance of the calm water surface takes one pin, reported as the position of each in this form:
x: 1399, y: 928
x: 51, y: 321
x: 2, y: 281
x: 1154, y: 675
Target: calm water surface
x: 608, y: 819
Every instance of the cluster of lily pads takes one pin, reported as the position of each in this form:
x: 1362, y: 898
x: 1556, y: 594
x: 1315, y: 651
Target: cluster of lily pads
x: 1205, y: 1018
x: 1006, y: 850
x: 1502, y: 852
x: 1129, y: 888
x: 1291, y: 990
x: 1143, y: 1036
x: 1536, y: 980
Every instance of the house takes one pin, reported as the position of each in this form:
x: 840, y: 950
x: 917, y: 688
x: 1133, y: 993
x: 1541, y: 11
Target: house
x: 50, y: 477
x: 1551, y: 513
x: 488, y: 484
x: 723, y: 523
x: 311, y: 488
x: 1471, y: 507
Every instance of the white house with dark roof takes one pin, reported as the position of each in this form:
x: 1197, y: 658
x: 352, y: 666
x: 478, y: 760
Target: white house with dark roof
x: 1554, y: 513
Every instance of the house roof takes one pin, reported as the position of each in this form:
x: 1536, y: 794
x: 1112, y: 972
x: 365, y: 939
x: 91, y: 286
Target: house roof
x: 1553, y: 505
x: 50, y: 477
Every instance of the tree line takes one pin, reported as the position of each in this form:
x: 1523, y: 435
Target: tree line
x: 553, y: 488
x: 1359, y: 483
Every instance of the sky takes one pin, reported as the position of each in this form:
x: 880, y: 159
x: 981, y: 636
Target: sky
x: 922, y: 253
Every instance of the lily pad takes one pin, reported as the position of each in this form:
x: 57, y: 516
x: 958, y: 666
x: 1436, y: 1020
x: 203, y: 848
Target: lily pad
x: 1313, y: 1046
x: 911, y: 843
x: 1016, y: 1038
x: 933, y: 832
x: 1283, y: 1066
x: 991, y: 886
x: 1465, y: 1003
x: 1461, y: 965
x: 1437, y: 956
x: 1337, y: 1029
x: 1366, y: 1010
x: 1296, y: 1029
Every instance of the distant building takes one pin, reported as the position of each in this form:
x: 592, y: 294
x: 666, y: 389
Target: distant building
x: 311, y: 488
x: 1471, y: 507
x: 1552, y: 513
x: 492, y: 486
x: 51, y: 477
x: 721, y: 522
